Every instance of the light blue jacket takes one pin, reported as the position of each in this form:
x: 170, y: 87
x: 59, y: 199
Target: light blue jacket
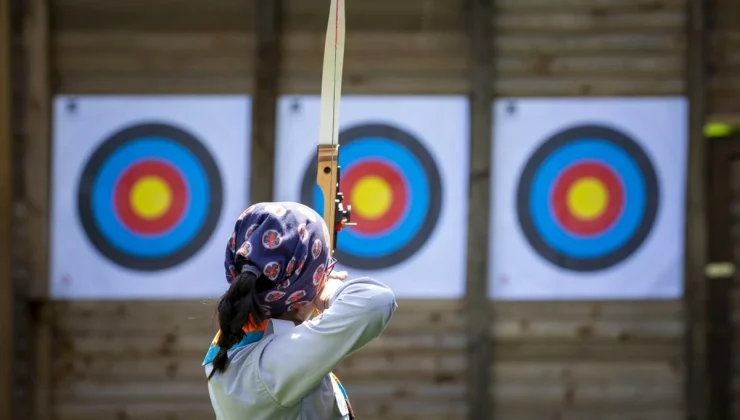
x: 286, y: 375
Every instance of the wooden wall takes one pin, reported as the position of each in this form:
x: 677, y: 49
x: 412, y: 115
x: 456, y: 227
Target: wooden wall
x: 584, y: 47
x: 552, y: 47
x: 566, y: 361
x: 199, y: 47
x: 589, y: 360
x: 140, y: 46
x: 141, y: 360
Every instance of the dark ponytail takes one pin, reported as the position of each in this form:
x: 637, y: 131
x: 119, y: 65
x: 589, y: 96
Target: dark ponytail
x: 237, y: 307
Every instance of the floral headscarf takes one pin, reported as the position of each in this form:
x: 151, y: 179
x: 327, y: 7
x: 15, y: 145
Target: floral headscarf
x: 286, y: 242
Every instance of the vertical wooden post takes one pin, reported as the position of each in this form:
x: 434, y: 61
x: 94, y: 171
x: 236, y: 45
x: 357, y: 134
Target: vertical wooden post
x: 478, y: 323
x: 7, y: 324
x: 37, y: 115
x: 695, y: 292
x: 38, y: 140
x: 268, y: 24
x: 723, y: 153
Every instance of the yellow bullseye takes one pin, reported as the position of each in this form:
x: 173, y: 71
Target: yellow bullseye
x: 150, y: 197
x: 371, y: 197
x: 587, y: 198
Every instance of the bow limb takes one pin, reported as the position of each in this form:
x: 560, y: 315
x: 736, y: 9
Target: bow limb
x: 327, y: 168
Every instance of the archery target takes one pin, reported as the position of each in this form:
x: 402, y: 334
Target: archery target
x: 587, y: 199
x: 394, y: 187
x: 404, y: 167
x: 142, y: 204
x: 150, y: 196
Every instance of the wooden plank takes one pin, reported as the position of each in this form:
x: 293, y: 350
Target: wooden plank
x: 7, y: 289
x: 146, y: 317
x: 429, y: 367
x: 642, y: 310
x: 378, y: 16
x: 612, y: 44
x: 268, y: 52
x: 234, y: 15
x: 555, y: 23
x: 594, y: 6
x: 695, y: 293
x: 403, y: 409
x: 160, y: 16
x: 478, y: 315
x: 588, y: 372
x: 36, y: 164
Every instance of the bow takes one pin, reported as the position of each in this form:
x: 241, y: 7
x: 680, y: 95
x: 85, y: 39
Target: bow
x: 327, y: 167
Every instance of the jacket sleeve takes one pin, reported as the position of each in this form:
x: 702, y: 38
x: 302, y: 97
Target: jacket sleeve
x: 294, y: 363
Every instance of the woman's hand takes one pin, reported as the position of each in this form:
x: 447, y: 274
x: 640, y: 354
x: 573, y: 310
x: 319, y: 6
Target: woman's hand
x: 339, y: 275
x: 333, y: 282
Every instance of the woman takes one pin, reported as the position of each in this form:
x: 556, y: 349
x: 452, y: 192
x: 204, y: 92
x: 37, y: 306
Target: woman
x: 269, y: 361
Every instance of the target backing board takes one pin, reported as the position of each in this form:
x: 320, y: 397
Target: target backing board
x: 404, y: 170
x: 588, y: 198
x: 142, y: 201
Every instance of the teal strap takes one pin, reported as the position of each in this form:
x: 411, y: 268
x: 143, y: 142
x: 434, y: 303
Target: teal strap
x: 248, y: 339
x: 344, y: 392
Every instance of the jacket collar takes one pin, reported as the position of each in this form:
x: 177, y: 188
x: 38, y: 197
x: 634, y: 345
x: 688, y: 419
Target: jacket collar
x: 279, y: 327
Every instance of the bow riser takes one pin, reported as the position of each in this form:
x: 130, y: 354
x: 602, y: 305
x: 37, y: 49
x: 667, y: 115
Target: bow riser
x: 328, y: 180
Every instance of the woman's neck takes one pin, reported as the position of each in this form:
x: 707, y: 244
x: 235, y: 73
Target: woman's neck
x: 290, y: 316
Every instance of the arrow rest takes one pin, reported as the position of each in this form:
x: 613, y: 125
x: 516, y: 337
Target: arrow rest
x: 343, y: 216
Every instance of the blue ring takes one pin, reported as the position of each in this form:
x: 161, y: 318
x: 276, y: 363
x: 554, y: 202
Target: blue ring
x: 582, y: 143
x: 195, y: 213
x: 408, y: 225
x: 623, y: 228
x: 403, y: 150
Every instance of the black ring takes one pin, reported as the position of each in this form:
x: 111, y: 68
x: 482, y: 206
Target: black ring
x: 630, y: 147
x: 100, y: 156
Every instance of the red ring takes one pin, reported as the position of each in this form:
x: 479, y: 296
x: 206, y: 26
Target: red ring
x: 122, y: 193
x: 399, y: 191
x: 615, y: 198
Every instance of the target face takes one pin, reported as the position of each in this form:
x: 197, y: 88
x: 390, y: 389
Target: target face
x: 150, y: 197
x: 587, y: 198
x: 394, y: 187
